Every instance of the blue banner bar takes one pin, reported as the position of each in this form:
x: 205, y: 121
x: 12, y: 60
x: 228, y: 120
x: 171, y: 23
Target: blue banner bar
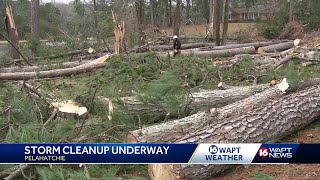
x: 96, y: 153
x: 158, y: 153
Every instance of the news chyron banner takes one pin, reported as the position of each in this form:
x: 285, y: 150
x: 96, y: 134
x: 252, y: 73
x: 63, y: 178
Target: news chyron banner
x: 158, y: 153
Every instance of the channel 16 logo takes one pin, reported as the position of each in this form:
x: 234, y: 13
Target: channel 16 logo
x: 275, y: 152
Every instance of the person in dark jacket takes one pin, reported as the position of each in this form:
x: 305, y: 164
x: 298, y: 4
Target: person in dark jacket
x: 176, y: 46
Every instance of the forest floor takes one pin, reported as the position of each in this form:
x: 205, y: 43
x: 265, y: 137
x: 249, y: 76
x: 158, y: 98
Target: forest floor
x: 160, y: 82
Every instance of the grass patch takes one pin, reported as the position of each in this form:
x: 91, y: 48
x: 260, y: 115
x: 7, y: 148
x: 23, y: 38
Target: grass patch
x: 261, y: 176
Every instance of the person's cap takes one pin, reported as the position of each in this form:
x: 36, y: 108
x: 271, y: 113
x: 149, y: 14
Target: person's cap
x: 175, y: 37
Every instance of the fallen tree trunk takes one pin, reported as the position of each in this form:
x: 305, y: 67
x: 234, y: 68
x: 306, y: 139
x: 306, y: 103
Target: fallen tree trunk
x: 222, y: 53
x: 278, y: 47
x: 173, y: 130
x: 214, y: 53
x: 38, y: 68
x: 232, y: 46
x: 216, y: 98
x: 169, y: 47
x: 264, y: 124
x: 71, y: 53
x: 93, y: 65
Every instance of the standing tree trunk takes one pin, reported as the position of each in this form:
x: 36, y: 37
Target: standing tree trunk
x: 217, y: 19
x: 225, y: 22
x: 152, y: 13
x: 170, y: 13
x: 12, y: 32
x: 139, y: 4
x: 290, y: 10
x: 176, y: 18
x: 188, y: 10
x: 35, y: 30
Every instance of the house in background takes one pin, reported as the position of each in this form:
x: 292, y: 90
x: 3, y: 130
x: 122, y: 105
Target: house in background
x: 258, y: 12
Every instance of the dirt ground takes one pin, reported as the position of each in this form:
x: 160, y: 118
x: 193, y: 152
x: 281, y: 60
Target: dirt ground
x: 310, y: 134
x: 201, y: 30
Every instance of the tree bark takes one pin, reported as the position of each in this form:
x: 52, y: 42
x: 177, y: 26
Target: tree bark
x: 217, y: 11
x: 231, y: 46
x: 35, y: 29
x: 290, y: 10
x: 71, y: 53
x: 169, y: 47
x: 177, y: 18
x: 265, y: 124
x: 12, y: 32
x: 188, y: 10
x: 152, y: 13
x: 276, y: 47
x: 139, y: 5
x: 91, y: 66
x: 222, y: 53
x: 215, y: 98
x: 173, y: 130
x: 39, y: 68
x: 225, y: 22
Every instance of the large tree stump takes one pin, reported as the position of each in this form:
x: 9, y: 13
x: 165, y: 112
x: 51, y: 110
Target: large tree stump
x: 264, y: 124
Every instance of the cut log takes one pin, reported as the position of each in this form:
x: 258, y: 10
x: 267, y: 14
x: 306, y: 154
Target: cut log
x: 71, y: 53
x: 265, y: 124
x: 214, y: 53
x: 44, y: 67
x: 278, y: 47
x: 222, y: 53
x: 169, y: 47
x: 232, y: 46
x: 215, y: 98
x: 173, y: 130
x: 93, y: 65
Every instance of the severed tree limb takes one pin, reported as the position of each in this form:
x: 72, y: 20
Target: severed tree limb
x: 18, y: 170
x: 91, y: 66
x: 43, y: 67
x: 264, y: 124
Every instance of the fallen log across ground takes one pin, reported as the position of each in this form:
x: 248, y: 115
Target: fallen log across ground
x: 215, y: 98
x: 169, y: 47
x: 214, y: 53
x: 265, y: 124
x: 278, y: 47
x: 173, y: 130
x: 70, y: 53
x: 87, y: 67
x: 179, y: 128
x: 43, y: 67
x: 232, y: 46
